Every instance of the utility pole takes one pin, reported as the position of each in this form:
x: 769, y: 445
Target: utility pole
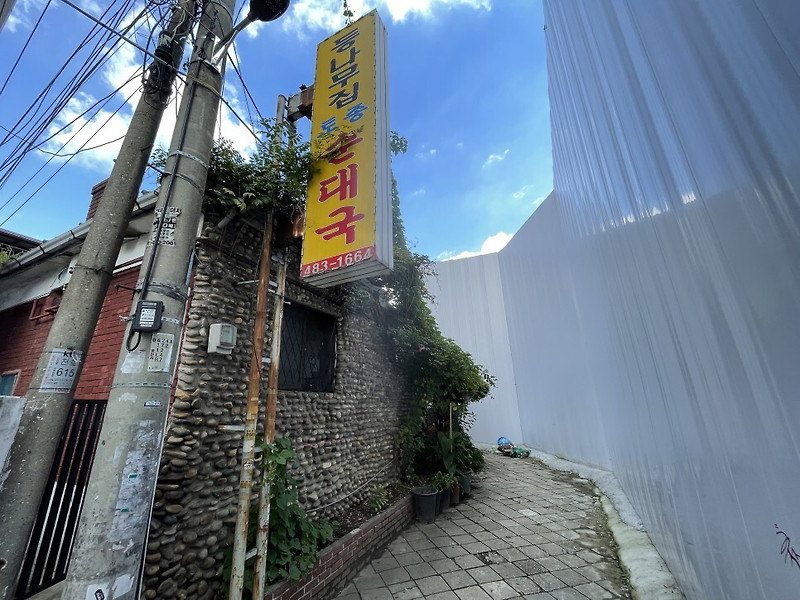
x: 108, y: 553
x: 53, y: 385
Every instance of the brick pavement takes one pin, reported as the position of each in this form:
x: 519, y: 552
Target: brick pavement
x: 527, y: 531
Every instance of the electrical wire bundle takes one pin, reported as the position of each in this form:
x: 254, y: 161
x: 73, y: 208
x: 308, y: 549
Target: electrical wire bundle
x: 41, y: 126
x: 44, y: 128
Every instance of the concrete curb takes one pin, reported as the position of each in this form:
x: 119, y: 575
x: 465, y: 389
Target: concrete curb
x: 649, y: 575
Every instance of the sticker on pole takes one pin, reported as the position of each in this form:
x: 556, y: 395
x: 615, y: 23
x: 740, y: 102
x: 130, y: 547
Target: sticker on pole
x: 166, y: 237
x: 160, y: 353
x: 62, y: 368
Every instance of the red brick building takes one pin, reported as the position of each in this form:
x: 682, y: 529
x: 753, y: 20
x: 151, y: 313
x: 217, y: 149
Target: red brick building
x: 31, y: 286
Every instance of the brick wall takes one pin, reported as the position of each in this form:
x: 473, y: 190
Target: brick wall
x: 21, y: 343
x: 340, y: 562
x: 22, y: 340
x: 101, y: 360
x: 97, y: 195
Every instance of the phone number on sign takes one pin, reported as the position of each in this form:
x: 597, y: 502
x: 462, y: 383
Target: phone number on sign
x: 337, y: 262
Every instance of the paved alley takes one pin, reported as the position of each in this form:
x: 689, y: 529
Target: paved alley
x: 527, y: 531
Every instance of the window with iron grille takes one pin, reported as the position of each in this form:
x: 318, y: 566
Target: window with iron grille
x: 308, y: 350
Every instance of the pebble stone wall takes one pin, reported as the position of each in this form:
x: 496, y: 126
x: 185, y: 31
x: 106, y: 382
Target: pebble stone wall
x: 344, y: 439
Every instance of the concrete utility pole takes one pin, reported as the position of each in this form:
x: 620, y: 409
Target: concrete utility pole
x: 5, y: 9
x: 107, y: 557
x: 112, y: 532
x: 53, y: 384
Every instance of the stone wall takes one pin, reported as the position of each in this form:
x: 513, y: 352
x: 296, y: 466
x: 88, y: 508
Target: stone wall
x: 344, y: 439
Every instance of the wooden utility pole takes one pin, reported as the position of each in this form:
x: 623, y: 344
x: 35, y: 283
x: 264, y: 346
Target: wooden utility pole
x: 251, y: 417
x: 262, y: 539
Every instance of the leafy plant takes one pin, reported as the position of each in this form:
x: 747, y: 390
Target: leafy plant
x: 476, y: 460
x: 443, y: 481
x: 294, y: 540
x: 6, y: 255
x: 347, y: 12
x: 446, y: 452
x: 467, y: 456
x: 276, y: 175
x: 379, y: 499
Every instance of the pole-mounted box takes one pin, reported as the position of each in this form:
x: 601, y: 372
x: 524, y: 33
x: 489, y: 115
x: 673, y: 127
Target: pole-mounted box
x: 148, y: 315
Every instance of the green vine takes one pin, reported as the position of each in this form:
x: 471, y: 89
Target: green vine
x: 347, y: 12
x: 442, y: 375
x: 294, y: 540
x: 276, y: 176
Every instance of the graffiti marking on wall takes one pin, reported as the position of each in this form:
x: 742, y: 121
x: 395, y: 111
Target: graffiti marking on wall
x: 787, y: 550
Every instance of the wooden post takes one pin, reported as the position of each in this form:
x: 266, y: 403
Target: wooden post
x: 262, y: 539
x: 251, y: 417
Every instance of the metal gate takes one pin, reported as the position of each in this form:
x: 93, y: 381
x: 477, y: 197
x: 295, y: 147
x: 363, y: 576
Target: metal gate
x: 50, y: 546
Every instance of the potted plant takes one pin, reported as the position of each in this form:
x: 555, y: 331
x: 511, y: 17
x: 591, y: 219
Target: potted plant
x: 426, y: 500
x: 455, y: 493
x: 443, y: 482
x: 466, y: 481
x: 469, y: 459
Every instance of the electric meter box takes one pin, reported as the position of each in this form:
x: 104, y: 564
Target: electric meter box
x: 221, y: 338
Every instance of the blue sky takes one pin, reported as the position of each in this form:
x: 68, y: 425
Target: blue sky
x: 468, y: 89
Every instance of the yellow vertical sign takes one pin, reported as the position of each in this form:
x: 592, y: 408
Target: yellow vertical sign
x: 346, y: 210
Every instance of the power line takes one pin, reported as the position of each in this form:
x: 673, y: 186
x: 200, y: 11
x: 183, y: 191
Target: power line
x: 247, y: 92
x: 32, y: 194
x: 35, y: 125
x: 36, y: 120
x: 25, y: 47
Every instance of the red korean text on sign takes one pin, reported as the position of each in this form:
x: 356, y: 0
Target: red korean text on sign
x: 344, y: 184
x: 344, y: 152
x: 345, y: 226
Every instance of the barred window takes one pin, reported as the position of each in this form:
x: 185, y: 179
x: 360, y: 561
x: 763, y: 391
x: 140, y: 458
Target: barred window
x: 308, y: 350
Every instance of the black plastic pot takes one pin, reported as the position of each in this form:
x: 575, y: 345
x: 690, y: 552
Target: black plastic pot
x: 444, y: 500
x: 426, y: 500
x: 455, y: 495
x: 466, y: 483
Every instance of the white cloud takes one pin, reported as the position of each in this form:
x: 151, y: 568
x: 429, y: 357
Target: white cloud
x: 123, y: 71
x: 522, y: 192
x: 312, y: 15
x: 426, y: 153
x: 493, y: 243
x: 98, y: 130
x: 305, y: 16
x: 495, y: 158
x: 400, y: 9
x: 26, y: 12
x: 22, y: 13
